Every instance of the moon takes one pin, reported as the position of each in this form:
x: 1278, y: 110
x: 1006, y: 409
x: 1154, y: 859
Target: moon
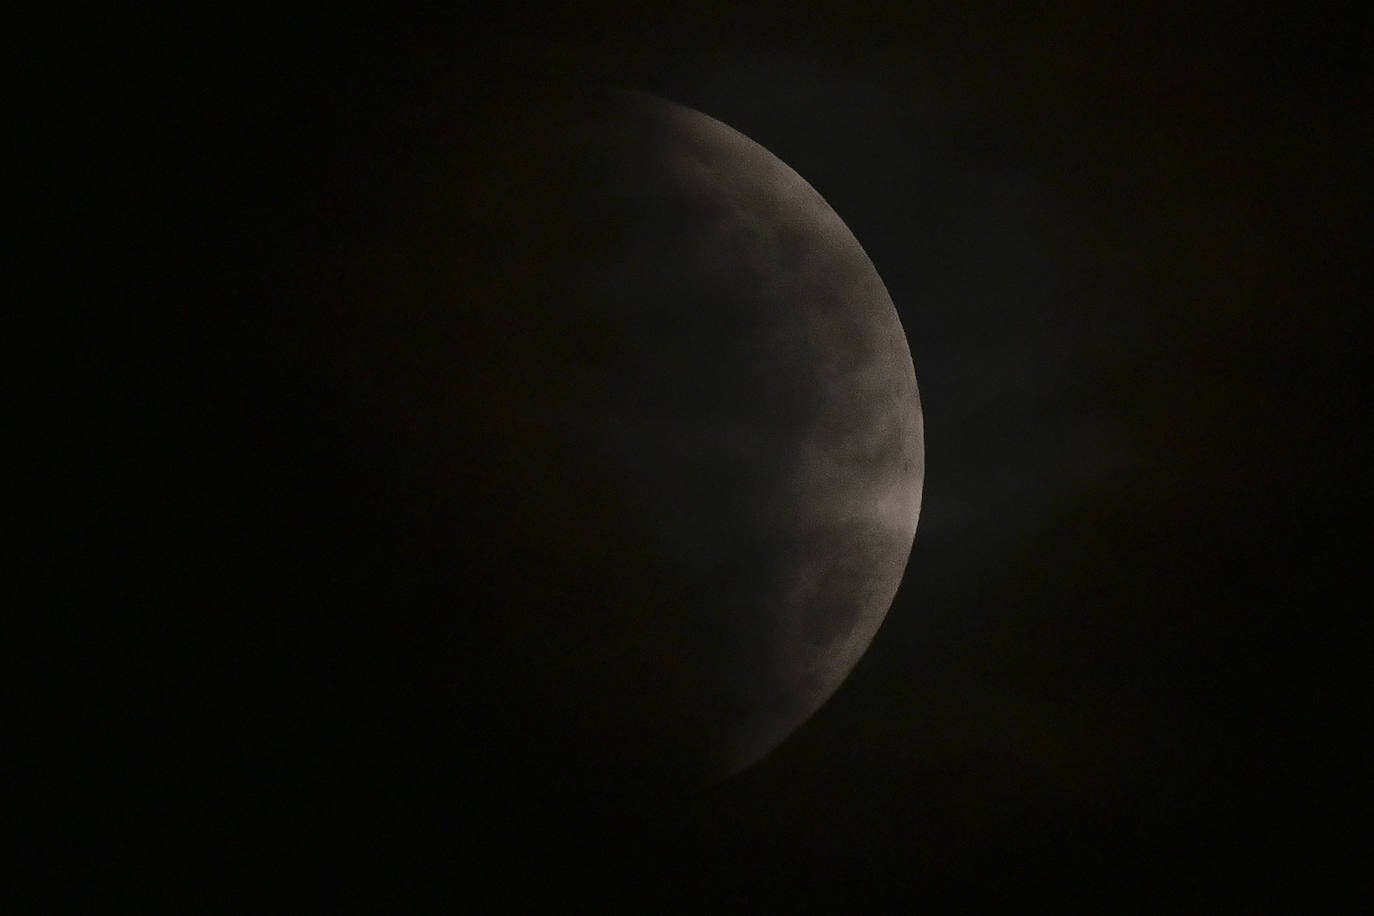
x: 704, y: 429
x: 646, y: 435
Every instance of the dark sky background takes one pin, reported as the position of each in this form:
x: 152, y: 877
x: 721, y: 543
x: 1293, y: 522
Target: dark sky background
x: 1122, y: 243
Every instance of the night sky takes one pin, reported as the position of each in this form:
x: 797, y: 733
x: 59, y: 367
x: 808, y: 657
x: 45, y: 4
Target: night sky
x: 1122, y: 245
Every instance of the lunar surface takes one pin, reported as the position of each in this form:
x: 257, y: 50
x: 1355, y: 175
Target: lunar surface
x: 698, y: 438
x: 567, y: 435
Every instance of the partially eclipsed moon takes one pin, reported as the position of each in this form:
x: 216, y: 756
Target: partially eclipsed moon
x: 699, y: 438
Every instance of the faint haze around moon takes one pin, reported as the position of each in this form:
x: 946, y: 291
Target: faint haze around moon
x: 433, y: 471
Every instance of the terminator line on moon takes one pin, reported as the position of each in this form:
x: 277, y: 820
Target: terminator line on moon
x: 698, y: 435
